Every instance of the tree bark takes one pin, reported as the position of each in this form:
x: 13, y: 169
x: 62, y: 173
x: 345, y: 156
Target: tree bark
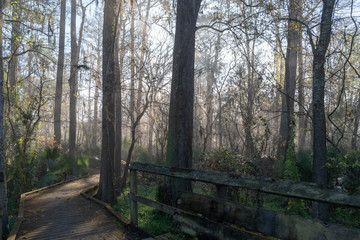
x: 302, y: 114
x: 73, y: 85
x: 96, y: 98
x: 287, y: 115
x: 3, y: 188
x: 15, y: 45
x: 320, y: 210
x: 118, y: 118
x: 180, y: 132
x: 87, y: 127
x: 279, y: 69
x: 59, y: 76
x: 106, y: 186
x: 151, y: 130
x: 142, y: 56
x: 248, y: 109
x: 132, y: 65
x: 220, y: 122
x: 211, y: 80
x: 73, y: 81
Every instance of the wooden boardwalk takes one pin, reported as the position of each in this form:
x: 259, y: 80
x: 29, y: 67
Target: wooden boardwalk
x: 61, y: 213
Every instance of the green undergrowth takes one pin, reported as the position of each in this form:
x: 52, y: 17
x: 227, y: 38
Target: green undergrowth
x: 346, y: 216
x: 151, y: 220
x: 273, y: 202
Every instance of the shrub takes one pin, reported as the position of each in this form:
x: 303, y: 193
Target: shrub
x: 225, y: 160
x: 349, y: 217
x: 351, y: 163
x: 304, y: 164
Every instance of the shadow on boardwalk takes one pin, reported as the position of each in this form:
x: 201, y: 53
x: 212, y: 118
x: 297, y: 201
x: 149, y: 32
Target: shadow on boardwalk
x: 61, y: 213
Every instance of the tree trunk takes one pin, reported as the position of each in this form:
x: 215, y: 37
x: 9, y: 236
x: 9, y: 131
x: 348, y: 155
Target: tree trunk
x: 211, y: 80
x: 132, y: 65
x: 106, y: 186
x: 59, y: 76
x: 151, y: 130
x: 287, y: 114
x: 73, y: 85
x: 302, y: 114
x: 132, y: 145
x: 88, y: 125
x: 15, y: 45
x: 142, y: 56
x: 220, y: 123
x: 4, y: 230
x: 151, y: 124
x: 180, y: 133
x: 247, y: 110
x: 96, y: 99
x: 118, y: 121
x: 279, y: 69
x: 320, y: 210
x: 73, y: 81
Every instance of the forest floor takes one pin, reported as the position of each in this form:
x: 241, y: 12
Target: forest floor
x: 61, y: 213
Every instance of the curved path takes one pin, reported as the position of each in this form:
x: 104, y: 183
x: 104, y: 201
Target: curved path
x: 61, y: 213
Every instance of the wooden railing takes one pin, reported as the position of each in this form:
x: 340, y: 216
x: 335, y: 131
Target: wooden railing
x: 218, y: 216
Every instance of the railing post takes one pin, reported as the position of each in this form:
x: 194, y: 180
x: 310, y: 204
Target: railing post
x: 133, y: 203
x: 221, y: 191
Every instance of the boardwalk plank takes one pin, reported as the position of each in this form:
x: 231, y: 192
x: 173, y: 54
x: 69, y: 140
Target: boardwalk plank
x: 61, y: 213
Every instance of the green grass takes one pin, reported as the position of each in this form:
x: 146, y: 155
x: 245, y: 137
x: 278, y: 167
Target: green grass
x: 204, y: 189
x: 12, y: 220
x: 151, y: 220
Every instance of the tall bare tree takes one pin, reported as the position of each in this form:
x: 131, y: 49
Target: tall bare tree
x: 106, y: 186
x: 144, y: 37
x: 59, y: 75
x: 287, y: 115
x: 3, y: 188
x: 211, y: 80
x: 73, y: 80
x: 119, y: 63
x: 302, y: 114
x: 132, y: 64
x: 15, y: 45
x: 97, y: 85
x: 73, y: 83
x: 320, y: 210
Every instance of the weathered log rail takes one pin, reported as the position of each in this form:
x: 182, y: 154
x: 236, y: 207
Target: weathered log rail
x: 215, y: 212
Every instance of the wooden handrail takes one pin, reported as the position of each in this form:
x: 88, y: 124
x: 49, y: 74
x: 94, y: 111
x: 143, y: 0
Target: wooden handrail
x: 217, y: 211
x: 219, y: 230
x: 268, y: 222
x: 303, y: 190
